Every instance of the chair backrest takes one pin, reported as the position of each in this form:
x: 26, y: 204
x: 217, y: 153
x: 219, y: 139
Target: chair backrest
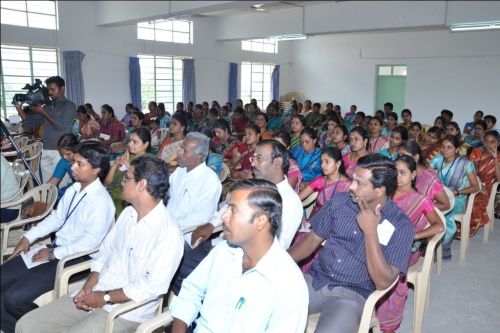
x: 366, y: 322
x: 224, y: 172
x: 451, y: 198
x: 432, y: 244
x: 308, y: 204
x: 33, y: 155
x: 21, y: 141
x: 490, y: 208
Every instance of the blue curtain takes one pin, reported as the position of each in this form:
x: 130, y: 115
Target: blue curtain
x: 73, y: 75
x: 134, y: 70
x: 188, y: 81
x: 275, y: 83
x: 233, y: 83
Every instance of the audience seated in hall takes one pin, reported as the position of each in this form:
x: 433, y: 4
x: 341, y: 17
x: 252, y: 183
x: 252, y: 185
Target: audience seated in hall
x: 135, y: 262
x: 247, y: 282
x: 82, y: 219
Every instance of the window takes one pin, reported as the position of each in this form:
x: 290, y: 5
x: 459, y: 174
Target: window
x: 392, y: 70
x: 32, y: 14
x: 269, y: 45
x: 173, y: 31
x: 161, y: 80
x: 22, y: 65
x: 256, y: 82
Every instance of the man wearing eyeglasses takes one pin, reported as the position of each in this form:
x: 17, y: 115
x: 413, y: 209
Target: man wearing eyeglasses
x: 269, y: 162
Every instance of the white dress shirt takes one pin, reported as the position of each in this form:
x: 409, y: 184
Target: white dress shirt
x: 193, y: 195
x: 91, y: 213
x: 271, y: 297
x: 141, y: 257
x: 291, y: 215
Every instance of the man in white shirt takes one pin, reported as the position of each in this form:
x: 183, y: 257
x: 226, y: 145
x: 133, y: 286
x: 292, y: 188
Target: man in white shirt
x: 83, y: 218
x: 136, y: 261
x: 194, y: 188
x: 247, y: 283
x: 269, y: 162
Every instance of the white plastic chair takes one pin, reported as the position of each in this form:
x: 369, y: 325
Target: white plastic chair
x: 464, y: 219
x: 439, y: 249
x: 490, y: 209
x: 33, y: 155
x: 224, y: 172
x: 368, y: 319
x: 44, y: 196
x: 419, y: 275
x: 308, y: 204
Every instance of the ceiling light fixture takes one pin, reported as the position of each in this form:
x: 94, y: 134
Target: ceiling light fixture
x: 476, y: 26
x: 290, y: 37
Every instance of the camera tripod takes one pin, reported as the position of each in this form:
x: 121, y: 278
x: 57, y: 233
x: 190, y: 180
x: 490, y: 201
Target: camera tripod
x: 26, y: 164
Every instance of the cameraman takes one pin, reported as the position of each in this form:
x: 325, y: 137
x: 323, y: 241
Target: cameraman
x: 57, y: 117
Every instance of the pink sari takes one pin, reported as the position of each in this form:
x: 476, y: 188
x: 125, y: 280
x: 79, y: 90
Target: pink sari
x: 390, y: 311
x: 325, y: 193
x: 294, y: 172
x: 429, y: 184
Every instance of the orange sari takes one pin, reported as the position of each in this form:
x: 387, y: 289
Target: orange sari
x: 485, y: 169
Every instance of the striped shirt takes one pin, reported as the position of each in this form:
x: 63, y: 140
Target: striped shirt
x: 342, y: 261
x: 141, y: 257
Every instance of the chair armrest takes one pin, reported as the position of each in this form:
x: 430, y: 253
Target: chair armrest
x: 63, y: 261
x: 121, y: 309
x: 62, y: 281
x: 152, y: 324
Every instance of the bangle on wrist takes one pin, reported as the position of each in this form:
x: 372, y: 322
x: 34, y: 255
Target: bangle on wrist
x: 52, y: 257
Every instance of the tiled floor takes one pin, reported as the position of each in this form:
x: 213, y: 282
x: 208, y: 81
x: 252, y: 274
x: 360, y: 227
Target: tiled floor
x: 466, y: 296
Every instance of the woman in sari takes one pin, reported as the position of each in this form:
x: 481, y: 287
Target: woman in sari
x: 88, y: 127
x: 487, y: 163
x: 359, y: 143
x: 420, y: 211
x: 430, y: 145
x: 339, y: 140
x: 415, y: 132
x: 111, y: 127
x: 240, y: 166
x: 139, y: 144
x: 458, y: 174
x: 399, y: 136
x: 308, y: 154
x: 169, y: 147
x: 377, y: 141
x: 294, y: 174
x: 427, y: 181
x: 223, y: 143
x: 297, y: 125
x: 334, y: 180
x: 326, y: 138
x: 261, y: 120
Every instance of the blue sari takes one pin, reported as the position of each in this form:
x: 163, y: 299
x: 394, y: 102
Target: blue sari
x: 453, y: 176
x: 309, y: 163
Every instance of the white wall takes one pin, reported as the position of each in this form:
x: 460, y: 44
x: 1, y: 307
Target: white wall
x: 107, y: 51
x: 458, y: 71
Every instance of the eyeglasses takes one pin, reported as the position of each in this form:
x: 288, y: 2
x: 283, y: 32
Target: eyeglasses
x: 258, y: 157
x: 126, y: 179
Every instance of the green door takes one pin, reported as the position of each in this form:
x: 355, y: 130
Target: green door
x: 390, y: 87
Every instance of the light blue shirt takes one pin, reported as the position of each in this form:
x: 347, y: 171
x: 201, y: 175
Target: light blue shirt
x: 271, y: 297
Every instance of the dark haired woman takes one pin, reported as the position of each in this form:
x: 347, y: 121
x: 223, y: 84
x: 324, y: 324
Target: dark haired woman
x: 138, y: 145
x: 88, y: 127
x: 169, y: 147
x: 223, y: 143
x: 112, y: 128
x: 240, y: 165
x: 399, y: 136
x: 308, y: 154
x: 420, y: 211
x: 458, y: 174
x: 359, y: 143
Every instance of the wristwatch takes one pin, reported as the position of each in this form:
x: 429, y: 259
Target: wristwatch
x: 107, y: 297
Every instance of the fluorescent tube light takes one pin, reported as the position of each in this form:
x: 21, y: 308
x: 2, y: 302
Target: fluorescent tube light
x: 476, y: 26
x: 290, y: 37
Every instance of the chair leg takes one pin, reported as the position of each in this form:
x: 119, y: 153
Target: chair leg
x: 464, y: 241
x: 486, y: 233
x: 419, y: 305
x: 439, y: 258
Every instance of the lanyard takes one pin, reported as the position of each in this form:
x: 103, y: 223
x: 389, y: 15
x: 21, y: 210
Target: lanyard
x: 441, y: 171
x: 68, y: 213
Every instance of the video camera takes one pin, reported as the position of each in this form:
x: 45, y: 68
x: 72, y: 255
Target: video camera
x: 37, y: 94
